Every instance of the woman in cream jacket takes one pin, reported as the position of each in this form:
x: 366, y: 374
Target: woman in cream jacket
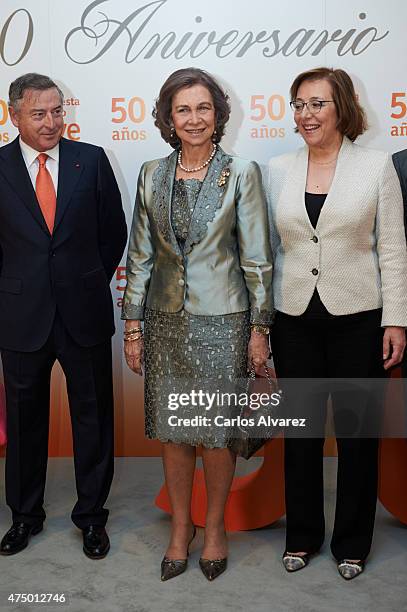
x: 340, y: 294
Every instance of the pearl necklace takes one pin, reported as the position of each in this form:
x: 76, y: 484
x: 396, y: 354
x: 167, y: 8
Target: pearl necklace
x: 208, y: 161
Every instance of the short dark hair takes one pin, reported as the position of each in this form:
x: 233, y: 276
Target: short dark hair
x: 31, y: 80
x: 352, y: 120
x: 187, y: 77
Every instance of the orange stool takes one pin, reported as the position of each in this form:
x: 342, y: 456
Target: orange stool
x: 255, y: 500
x: 393, y: 477
x: 393, y: 456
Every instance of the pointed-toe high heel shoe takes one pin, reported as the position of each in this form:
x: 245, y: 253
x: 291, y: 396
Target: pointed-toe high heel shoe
x: 170, y: 568
x: 350, y: 569
x: 212, y: 568
x: 294, y: 562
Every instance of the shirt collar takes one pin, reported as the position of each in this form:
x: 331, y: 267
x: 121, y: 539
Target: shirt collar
x: 30, y: 154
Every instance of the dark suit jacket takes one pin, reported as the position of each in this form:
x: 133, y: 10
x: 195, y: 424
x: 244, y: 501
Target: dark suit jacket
x: 70, y: 271
x: 400, y: 163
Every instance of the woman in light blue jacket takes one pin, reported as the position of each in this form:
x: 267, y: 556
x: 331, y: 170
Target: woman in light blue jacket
x: 199, y: 275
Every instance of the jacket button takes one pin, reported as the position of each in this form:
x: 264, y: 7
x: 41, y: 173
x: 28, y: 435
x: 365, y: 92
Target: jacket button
x: 314, y: 239
x: 314, y: 271
x: 181, y: 282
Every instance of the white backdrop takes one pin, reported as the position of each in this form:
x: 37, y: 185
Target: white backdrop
x: 110, y: 58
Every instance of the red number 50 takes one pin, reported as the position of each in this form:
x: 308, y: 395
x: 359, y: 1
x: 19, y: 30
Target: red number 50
x: 398, y: 103
x: 275, y: 107
x: 135, y: 110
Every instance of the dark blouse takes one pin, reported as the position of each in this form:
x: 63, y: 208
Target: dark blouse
x: 313, y: 204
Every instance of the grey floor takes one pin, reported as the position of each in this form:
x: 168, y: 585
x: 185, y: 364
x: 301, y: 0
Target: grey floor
x: 128, y: 579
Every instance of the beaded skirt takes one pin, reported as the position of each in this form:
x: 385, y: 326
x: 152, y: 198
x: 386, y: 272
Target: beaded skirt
x: 185, y: 352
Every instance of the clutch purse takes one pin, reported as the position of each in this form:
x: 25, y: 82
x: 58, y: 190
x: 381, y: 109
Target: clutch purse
x: 248, y: 439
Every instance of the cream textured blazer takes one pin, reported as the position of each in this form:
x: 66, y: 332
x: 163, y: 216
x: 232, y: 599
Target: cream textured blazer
x: 225, y: 265
x: 356, y: 256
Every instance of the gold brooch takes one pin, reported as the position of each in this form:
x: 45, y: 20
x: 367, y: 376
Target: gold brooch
x: 224, y: 175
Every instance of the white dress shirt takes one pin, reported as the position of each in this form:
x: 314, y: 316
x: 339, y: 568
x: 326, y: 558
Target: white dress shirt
x: 30, y: 156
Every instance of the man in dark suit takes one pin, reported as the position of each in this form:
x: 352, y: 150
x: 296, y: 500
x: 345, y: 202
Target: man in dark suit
x: 400, y: 163
x: 62, y: 234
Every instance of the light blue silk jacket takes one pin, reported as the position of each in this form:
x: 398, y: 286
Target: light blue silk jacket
x: 225, y: 265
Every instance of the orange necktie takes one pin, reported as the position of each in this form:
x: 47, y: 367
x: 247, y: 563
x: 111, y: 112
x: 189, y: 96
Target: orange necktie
x: 45, y: 190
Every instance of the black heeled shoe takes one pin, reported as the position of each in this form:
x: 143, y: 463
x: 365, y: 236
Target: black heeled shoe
x: 212, y: 568
x: 293, y: 562
x: 170, y: 568
x: 350, y: 569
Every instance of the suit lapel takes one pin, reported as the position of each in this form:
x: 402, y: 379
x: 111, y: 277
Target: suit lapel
x: 292, y: 198
x: 70, y: 169
x: 209, y: 200
x: 16, y: 173
x: 172, y: 166
x: 293, y: 192
x: 162, y: 187
x: 339, y: 190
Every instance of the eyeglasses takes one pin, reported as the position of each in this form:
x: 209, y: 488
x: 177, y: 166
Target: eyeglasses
x: 314, y: 106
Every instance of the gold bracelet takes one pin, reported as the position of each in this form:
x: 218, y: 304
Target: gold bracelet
x: 131, y: 339
x: 132, y: 330
x: 260, y: 329
x: 137, y: 334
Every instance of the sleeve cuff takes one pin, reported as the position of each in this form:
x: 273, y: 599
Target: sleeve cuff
x: 263, y: 317
x: 131, y: 311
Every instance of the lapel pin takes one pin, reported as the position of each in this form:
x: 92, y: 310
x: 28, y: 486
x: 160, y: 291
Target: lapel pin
x: 77, y: 165
x: 224, y: 175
